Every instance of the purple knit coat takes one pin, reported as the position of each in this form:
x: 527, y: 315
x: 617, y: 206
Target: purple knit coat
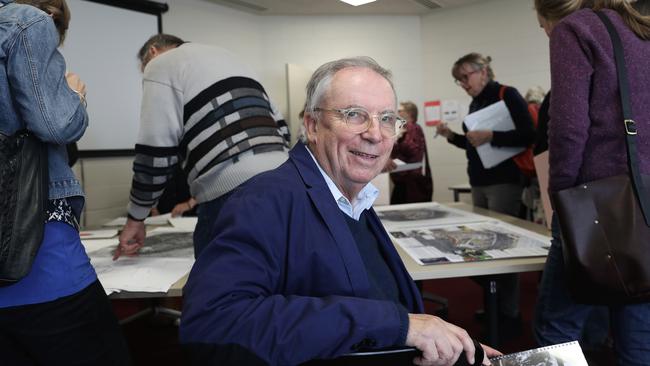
x: 586, y: 131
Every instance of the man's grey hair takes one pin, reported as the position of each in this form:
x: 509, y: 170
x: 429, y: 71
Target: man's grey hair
x: 320, y: 81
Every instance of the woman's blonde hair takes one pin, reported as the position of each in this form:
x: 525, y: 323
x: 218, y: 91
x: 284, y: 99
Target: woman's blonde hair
x: 477, y: 61
x: 556, y: 10
x: 59, y: 11
x: 535, y: 95
x: 411, y: 109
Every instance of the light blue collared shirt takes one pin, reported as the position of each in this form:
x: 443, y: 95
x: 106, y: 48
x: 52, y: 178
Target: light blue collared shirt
x: 364, y: 200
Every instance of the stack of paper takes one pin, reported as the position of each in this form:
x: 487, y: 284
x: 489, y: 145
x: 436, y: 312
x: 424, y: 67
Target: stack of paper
x: 495, y: 117
x: 167, y: 255
x: 565, y: 354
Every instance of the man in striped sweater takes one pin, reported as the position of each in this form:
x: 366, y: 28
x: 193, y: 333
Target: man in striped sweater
x: 204, y: 109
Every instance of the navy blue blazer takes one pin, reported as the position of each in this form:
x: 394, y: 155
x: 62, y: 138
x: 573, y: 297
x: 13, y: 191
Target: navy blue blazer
x: 283, y: 282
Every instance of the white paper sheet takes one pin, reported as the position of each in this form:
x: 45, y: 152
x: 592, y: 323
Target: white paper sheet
x: 542, y: 168
x: 151, y: 220
x: 424, y: 214
x: 98, y: 234
x: 402, y: 166
x: 565, y: 354
x: 92, y: 245
x: 184, y: 223
x: 140, y: 274
x: 495, y: 117
x: 168, y: 254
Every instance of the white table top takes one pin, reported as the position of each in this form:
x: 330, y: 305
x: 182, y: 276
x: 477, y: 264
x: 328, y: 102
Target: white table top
x: 487, y: 267
x: 428, y: 272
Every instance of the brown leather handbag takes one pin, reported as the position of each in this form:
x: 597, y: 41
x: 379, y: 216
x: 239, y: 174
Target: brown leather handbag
x: 605, y: 224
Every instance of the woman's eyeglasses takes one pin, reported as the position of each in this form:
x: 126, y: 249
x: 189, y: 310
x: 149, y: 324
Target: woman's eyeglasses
x: 464, y: 77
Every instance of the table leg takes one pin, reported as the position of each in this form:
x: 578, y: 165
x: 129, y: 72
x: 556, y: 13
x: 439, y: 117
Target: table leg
x: 492, y: 311
x: 456, y: 195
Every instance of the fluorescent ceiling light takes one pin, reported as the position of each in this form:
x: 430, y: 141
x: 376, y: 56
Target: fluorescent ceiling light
x: 358, y: 2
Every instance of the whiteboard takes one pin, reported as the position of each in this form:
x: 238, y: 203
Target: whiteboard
x: 101, y: 47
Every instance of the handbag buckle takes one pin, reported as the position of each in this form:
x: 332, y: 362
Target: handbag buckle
x: 630, y: 127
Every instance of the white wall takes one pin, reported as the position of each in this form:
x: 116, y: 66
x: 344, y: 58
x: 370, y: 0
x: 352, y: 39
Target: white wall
x: 393, y: 41
x: 268, y: 43
x: 419, y: 51
x: 208, y: 23
x: 506, y: 30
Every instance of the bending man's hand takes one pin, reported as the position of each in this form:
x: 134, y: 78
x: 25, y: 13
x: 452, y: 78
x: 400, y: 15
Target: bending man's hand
x: 441, y: 343
x: 183, y: 207
x: 131, y: 239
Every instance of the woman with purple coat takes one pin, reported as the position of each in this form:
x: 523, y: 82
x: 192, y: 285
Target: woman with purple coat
x: 586, y: 143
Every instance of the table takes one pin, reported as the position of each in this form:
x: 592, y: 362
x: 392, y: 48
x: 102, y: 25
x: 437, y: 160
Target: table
x: 481, y: 268
x: 460, y: 188
x: 437, y: 271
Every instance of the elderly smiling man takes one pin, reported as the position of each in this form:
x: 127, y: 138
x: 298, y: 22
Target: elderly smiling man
x: 300, y: 267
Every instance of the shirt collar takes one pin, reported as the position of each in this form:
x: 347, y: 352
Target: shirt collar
x: 364, y: 200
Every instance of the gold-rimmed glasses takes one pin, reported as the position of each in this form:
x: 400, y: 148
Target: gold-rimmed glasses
x: 359, y: 120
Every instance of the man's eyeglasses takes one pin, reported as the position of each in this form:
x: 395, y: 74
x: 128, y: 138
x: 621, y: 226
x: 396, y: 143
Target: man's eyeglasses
x: 359, y: 120
x: 463, y: 78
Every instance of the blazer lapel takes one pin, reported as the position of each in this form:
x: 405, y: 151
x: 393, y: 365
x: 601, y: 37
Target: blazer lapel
x: 321, y: 196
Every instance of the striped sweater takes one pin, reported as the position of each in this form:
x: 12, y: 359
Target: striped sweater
x: 204, y: 109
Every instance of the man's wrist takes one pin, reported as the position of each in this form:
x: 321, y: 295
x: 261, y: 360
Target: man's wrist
x: 134, y: 218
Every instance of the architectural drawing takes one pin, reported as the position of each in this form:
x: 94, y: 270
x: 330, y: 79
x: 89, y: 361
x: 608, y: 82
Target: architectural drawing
x: 469, y: 242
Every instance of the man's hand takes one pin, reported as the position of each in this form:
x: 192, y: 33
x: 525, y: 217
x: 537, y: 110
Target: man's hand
x: 183, y: 207
x: 440, y: 342
x: 131, y: 238
x: 489, y: 353
x: 479, y: 137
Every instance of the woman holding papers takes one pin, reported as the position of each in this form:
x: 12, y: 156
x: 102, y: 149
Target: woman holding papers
x: 586, y: 142
x: 58, y: 314
x: 412, y: 185
x: 500, y: 128
x: 496, y: 185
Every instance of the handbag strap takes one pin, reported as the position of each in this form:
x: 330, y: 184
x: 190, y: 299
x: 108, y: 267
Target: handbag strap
x: 629, y: 124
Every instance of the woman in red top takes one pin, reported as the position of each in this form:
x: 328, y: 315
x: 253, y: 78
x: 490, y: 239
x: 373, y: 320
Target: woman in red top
x: 411, y: 186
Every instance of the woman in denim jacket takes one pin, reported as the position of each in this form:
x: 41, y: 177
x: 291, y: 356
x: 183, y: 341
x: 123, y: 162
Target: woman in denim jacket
x: 59, y: 313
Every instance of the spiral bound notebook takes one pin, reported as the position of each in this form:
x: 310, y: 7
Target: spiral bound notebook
x: 563, y: 354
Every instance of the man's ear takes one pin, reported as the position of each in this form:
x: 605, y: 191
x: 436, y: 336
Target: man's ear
x: 311, y: 126
x: 153, y: 51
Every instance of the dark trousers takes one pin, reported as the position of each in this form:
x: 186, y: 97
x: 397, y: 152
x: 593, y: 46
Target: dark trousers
x: 79, y: 329
x: 506, y: 199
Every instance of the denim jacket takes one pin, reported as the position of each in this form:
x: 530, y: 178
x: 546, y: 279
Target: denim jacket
x: 34, y: 94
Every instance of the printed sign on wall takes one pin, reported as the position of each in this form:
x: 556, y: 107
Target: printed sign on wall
x: 432, y: 116
x: 450, y: 111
